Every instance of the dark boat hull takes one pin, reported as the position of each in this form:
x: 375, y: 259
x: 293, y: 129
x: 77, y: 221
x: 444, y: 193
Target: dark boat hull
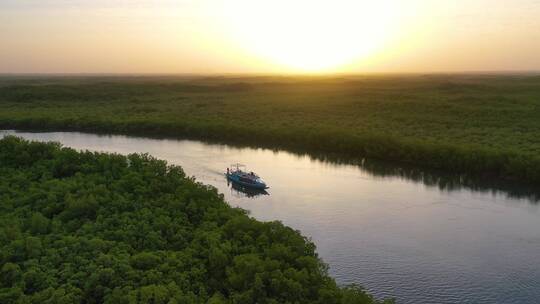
x: 236, y: 179
x: 246, y: 191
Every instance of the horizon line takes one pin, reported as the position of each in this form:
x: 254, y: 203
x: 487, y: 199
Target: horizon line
x: 263, y: 74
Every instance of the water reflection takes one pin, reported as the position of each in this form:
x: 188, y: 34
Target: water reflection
x: 444, y: 181
x: 240, y: 191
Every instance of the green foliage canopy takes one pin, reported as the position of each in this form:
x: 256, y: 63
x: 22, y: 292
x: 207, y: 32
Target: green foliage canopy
x: 82, y: 227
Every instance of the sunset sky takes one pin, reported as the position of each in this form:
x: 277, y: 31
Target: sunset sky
x: 268, y: 36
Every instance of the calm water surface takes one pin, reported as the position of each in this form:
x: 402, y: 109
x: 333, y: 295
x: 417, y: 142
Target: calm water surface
x: 397, y: 237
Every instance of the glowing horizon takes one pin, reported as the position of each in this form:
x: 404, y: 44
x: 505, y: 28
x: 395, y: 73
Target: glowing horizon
x: 241, y: 36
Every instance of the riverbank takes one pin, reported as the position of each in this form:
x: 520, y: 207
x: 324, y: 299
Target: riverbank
x: 112, y: 228
x: 484, y: 126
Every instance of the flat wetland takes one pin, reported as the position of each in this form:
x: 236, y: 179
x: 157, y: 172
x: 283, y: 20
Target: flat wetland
x: 419, y: 187
x: 485, y: 125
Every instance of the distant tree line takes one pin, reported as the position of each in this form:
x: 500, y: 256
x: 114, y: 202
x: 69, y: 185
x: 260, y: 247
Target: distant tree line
x: 486, y: 127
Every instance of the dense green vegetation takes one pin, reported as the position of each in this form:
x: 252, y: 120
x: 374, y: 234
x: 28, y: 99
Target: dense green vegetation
x: 482, y: 125
x: 100, y: 228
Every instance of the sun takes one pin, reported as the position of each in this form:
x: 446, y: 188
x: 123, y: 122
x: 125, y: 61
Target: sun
x: 310, y: 36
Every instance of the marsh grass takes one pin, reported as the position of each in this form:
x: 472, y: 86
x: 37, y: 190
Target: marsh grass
x: 487, y: 126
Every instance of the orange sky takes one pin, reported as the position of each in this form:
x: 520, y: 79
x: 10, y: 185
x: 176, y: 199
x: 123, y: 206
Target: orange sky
x: 296, y: 36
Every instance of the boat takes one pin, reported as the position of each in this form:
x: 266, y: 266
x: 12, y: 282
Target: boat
x: 237, y: 173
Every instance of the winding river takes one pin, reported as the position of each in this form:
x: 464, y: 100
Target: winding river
x: 398, y: 233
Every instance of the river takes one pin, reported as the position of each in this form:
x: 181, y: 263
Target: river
x: 399, y: 236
